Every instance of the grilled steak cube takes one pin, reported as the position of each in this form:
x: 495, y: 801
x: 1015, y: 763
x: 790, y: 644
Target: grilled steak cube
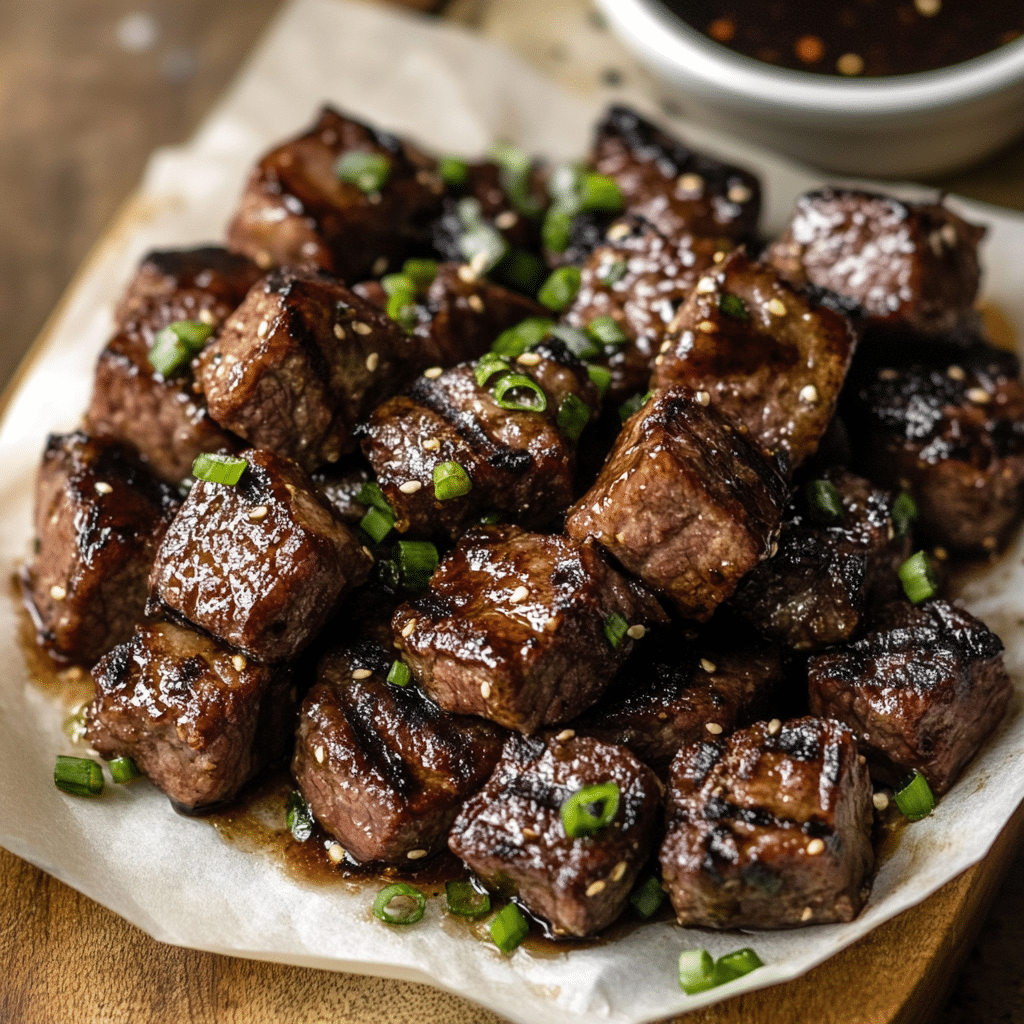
x: 769, y: 828
x: 298, y: 211
x: 951, y: 431
x: 513, y: 836
x: 684, y: 501
x: 301, y: 361
x: 260, y: 565
x: 521, y: 628
x: 517, y: 460
x: 771, y: 360
x: 677, y: 190
x: 814, y: 591
x: 672, y: 692
x: 909, y: 265
x: 198, y: 718
x: 921, y: 692
x: 640, y: 278
x: 99, y: 518
x: 383, y: 769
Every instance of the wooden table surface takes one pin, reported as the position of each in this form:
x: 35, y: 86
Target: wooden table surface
x: 87, y: 89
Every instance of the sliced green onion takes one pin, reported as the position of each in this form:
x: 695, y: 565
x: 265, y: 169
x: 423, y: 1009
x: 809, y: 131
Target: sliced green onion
x: 601, y: 377
x: 372, y: 496
x: 454, y: 172
x: 520, y: 382
x: 401, y: 308
x: 464, y: 900
x: 176, y: 344
x: 420, y: 272
x: 298, y: 817
x: 824, y: 502
x: 573, y: 416
x: 917, y: 578
x: 916, y: 800
x: 451, y: 481
x: 367, y: 171
x: 560, y: 288
x: 520, y: 270
x: 597, y: 193
x: 377, y: 524
x: 516, y: 340
x: 400, y: 674
x: 633, y: 405
x: 470, y: 212
x: 515, y: 166
x: 607, y: 330
x: 218, y: 469
x: 488, y: 365
x: 578, y: 342
x: 732, y: 306
x: 410, y: 909
x: 734, y: 965
x: 78, y: 776
x: 386, y: 575
x: 509, y: 928
x: 124, y: 769
x: 904, y: 513
x: 491, y: 518
x: 578, y: 819
x: 397, y: 283
x: 647, y: 898
x: 615, y: 627
x: 696, y: 971
x: 556, y: 230
x: 417, y: 560
x: 483, y: 246
x: 612, y: 274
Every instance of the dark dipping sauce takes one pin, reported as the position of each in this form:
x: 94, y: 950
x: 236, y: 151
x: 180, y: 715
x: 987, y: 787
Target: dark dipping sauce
x: 856, y: 38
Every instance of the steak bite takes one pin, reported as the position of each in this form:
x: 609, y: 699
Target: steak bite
x: 517, y: 460
x: 951, y: 431
x: 198, y: 718
x: 99, y: 518
x: 769, y: 828
x: 640, y: 278
x: 912, y: 266
x: 677, y: 190
x: 301, y: 207
x: 301, y: 361
x: 768, y: 358
x: 522, y: 628
x: 512, y: 833
x: 921, y: 692
x: 829, y: 568
x: 383, y: 769
x: 684, y: 501
x: 260, y: 565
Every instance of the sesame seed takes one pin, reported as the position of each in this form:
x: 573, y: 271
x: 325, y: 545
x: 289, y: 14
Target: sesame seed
x: 410, y: 486
x: 529, y: 359
x: 702, y: 398
x: 978, y: 395
x: 850, y: 64
x: 659, y: 360
x: 485, y: 689
x: 618, y: 231
x: 955, y: 372
x: 362, y: 673
x: 880, y: 800
x: 367, y: 552
x: 714, y: 728
x: 431, y: 444
x: 262, y: 329
x: 259, y: 512
x: 58, y: 593
x: 807, y: 914
x: 620, y: 538
x: 335, y: 853
x: 774, y: 726
x: 466, y: 274
x: 475, y: 303
x: 506, y: 219
x: 618, y: 871
x: 238, y: 662
x: 707, y: 327
x: 815, y: 846
x: 665, y: 346
x: 928, y: 8
x: 339, y: 331
x: 360, y: 328
x: 705, y: 286
x: 708, y: 666
x: 565, y: 734
x: 719, y: 256
x: 478, y: 264
x: 529, y: 833
x: 739, y: 193
x: 595, y: 887
x: 636, y: 632
x: 861, y: 759
x: 432, y: 372
x: 72, y: 675
x: 416, y: 854
x: 380, y: 264
x: 808, y: 393
x: 777, y: 307
x: 519, y: 594
x: 206, y: 317
x: 948, y: 234
x: 409, y: 627
x: 319, y: 755
x: 689, y: 183
x: 372, y: 361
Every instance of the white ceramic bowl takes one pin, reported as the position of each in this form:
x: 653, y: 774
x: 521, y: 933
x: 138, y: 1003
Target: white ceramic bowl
x: 905, y: 125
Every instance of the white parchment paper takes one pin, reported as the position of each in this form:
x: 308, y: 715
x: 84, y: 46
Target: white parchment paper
x: 175, y: 877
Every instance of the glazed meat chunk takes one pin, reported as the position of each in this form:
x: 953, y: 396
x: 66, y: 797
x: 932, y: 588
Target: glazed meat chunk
x: 99, y: 518
x: 950, y: 430
x: 516, y: 460
x: 302, y: 207
x: 261, y: 564
x: 301, y: 361
x: 513, y: 836
x: 769, y: 828
x: 912, y: 266
x: 769, y: 358
x: 832, y: 563
x: 383, y: 769
x: 198, y: 718
x: 677, y: 190
x: 921, y: 691
x: 684, y: 501
x: 521, y: 628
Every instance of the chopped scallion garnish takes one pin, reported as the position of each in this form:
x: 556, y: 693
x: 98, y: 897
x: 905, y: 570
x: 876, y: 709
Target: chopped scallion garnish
x: 520, y: 270
x: 647, y: 898
x: 78, y: 776
x: 420, y: 272
x: 515, y: 176
x: 516, y: 340
x: 124, y: 769
x: 417, y: 560
x: 615, y: 627
x: 176, y: 344
x: 397, y: 283
x: 573, y: 416
x: 577, y: 817
x: 488, y: 365
x: 824, y: 502
x: 556, y: 230
x: 454, y: 172
x: 399, y: 674
x: 218, y: 469
x: 607, y: 330
x: 465, y: 900
x: 904, y: 514
x: 916, y: 800
x: 917, y: 578
x: 401, y: 308
x: 531, y: 396
x: 483, y: 246
x: 509, y: 928
x: 377, y: 524
x: 409, y: 908
x: 732, y: 306
x: 578, y: 342
x: 739, y: 962
x: 601, y: 377
x: 298, y: 817
x: 632, y: 405
x: 367, y: 171
x: 597, y: 193
x: 451, y: 481
x: 560, y: 288
x: 371, y: 496
x: 696, y: 971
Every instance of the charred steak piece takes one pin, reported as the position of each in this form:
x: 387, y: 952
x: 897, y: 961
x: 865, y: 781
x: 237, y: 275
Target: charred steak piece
x: 640, y: 278
x: 673, y: 692
x: 921, y: 692
x: 677, y: 190
x: 300, y: 362
x: 829, y: 566
x: 99, y: 518
x: 951, y: 431
x: 518, y: 461
x: 297, y: 210
x: 197, y: 717
x: 382, y: 767
x: 260, y: 565
x: 684, y: 501
x: 909, y: 265
x: 521, y: 628
x: 769, y: 828
x: 770, y: 359
x: 513, y: 836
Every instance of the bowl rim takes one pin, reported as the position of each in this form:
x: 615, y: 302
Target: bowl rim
x: 650, y: 26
